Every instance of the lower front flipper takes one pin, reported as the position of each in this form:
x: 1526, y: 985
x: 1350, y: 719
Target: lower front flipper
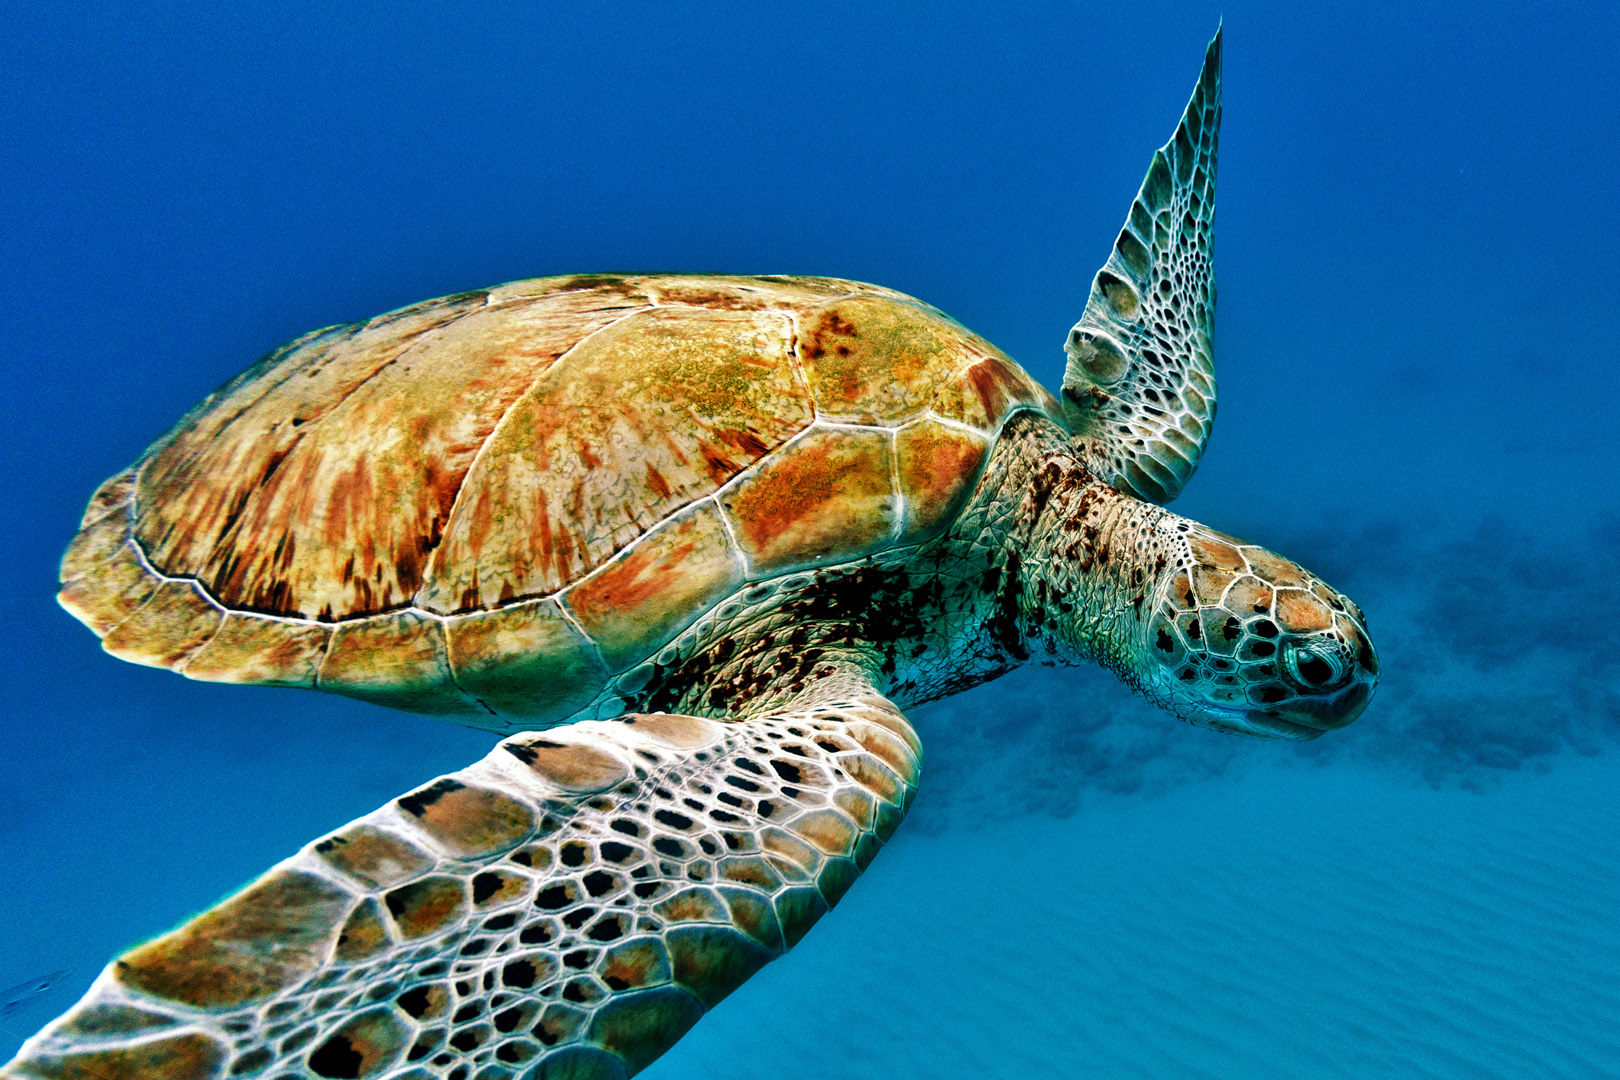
x: 567, y: 907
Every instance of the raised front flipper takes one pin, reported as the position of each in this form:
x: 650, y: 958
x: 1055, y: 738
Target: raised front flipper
x: 1139, y: 389
x: 567, y: 907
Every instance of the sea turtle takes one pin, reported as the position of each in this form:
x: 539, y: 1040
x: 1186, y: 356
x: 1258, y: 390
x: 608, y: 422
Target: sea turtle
x: 693, y: 544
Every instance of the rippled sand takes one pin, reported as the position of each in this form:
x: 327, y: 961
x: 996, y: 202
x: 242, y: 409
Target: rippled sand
x: 1301, y: 923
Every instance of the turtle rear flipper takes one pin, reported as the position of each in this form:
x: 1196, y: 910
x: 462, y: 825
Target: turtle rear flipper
x: 1139, y: 389
x: 569, y: 905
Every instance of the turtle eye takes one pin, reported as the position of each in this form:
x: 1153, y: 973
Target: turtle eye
x: 1314, y: 669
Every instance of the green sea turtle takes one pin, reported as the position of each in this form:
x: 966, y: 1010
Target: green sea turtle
x: 693, y: 544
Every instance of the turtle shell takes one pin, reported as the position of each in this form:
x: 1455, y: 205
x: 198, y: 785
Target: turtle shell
x: 490, y: 503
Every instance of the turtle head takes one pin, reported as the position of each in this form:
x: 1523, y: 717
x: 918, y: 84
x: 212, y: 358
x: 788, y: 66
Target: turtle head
x: 1242, y: 639
x: 1220, y: 632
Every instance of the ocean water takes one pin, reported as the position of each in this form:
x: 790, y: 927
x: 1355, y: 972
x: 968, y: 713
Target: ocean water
x: 1417, y: 361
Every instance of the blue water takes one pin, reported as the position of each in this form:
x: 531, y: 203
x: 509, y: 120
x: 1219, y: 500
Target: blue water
x: 1417, y: 359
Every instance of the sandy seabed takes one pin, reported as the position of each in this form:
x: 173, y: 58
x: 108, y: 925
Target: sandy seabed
x: 1291, y: 919
x: 1295, y: 923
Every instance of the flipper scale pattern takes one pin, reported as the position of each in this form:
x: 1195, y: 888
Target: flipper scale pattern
x: 1139, y: 389
x: 568, y: 906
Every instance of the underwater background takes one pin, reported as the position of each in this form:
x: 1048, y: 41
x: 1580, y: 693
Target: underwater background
x: 1417, y: 356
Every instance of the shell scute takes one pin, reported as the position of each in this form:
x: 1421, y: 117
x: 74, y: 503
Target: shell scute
x: 111, y: 592
x: 982, y: 394
x: 253, y: 649
x: 98, y: 540
x: 115, y: 493
x: 871, y: 360
x: 828, y: 497
x: 176, y: 621
x: 526, y: 659
x: 398, y: 659
x: 937, y: 465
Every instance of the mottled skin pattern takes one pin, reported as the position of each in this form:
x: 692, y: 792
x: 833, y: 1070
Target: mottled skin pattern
x: 729, y: 530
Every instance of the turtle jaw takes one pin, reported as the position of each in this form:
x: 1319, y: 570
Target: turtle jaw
x: 1301, y: 721
x: 1253, y: 723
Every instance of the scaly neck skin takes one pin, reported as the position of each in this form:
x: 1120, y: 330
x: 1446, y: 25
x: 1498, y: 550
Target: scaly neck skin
x: 1026, y: 571
x: 1088, y: 561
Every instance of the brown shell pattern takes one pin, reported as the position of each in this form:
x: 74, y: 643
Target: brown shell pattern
x: 489, y: 503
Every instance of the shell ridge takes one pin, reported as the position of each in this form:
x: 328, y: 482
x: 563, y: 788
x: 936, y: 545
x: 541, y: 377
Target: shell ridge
x: 147, y: 564
x: 946, y: 421
x: 732, y: 541
x: 654, y: 632
x: 517, y: 598
x: 1022, y: 407
x: 317, y: 681
x: 185, y: 661
x: 138, y: 608
x: 756, y: 467
x: 851, y: 425
x: 895, y: 486
x: 801, y: 378
x: 127, y: 507
x: 249, y: 613
x: 750, y: 470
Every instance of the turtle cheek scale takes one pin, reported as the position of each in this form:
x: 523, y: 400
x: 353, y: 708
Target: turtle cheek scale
x: 1248, y: 642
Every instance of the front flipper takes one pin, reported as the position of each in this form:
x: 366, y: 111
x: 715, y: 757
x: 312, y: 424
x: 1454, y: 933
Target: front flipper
x: 567, y: 907
x: 1139, y: 389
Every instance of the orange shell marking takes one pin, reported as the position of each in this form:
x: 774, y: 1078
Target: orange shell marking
x: 827, y: 498
x: 490, y: 503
